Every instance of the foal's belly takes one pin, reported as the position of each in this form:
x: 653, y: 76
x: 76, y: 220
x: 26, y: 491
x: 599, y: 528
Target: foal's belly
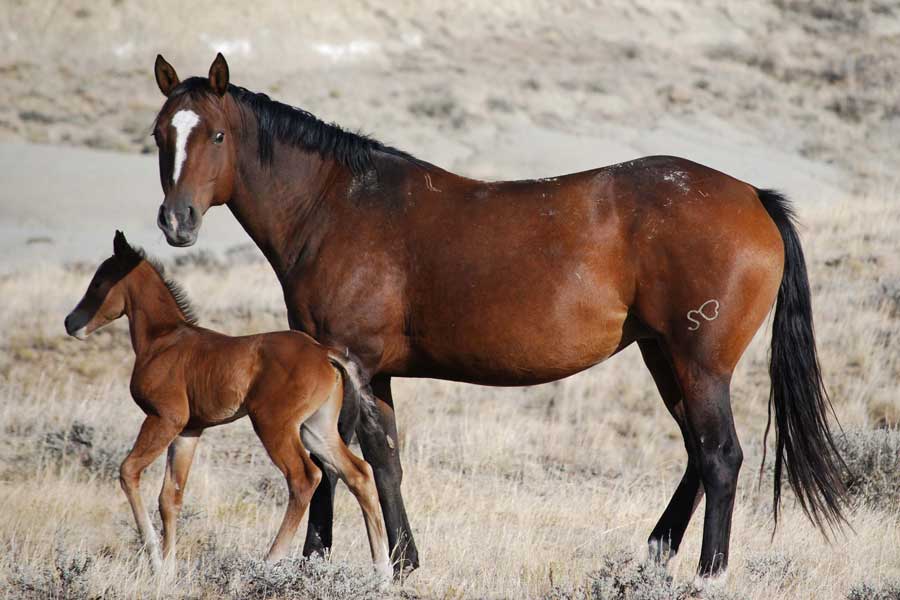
x: 211, y: 414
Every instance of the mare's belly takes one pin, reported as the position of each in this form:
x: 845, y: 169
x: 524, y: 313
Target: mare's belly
x: 523, y: 332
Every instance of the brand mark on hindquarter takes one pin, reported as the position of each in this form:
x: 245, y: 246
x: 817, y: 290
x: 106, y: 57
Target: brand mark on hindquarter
x: 709, y: 310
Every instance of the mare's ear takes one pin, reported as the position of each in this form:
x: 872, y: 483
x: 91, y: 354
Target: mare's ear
x: 166, y: 77
x: 121, y: 247
x: 218, y: 75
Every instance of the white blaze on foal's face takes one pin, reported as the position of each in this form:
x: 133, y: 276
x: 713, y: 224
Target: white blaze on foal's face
x: 183, y: 122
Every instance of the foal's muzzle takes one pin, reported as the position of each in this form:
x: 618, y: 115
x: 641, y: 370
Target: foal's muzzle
x: 76, y: 322
x: 180, y: 223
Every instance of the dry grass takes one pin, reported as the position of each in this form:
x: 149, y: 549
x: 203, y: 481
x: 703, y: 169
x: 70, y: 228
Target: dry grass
x: 545, y: 491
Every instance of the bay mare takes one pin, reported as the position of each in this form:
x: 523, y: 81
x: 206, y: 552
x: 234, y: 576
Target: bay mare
x: 187, y: 378
x: 423, y: 273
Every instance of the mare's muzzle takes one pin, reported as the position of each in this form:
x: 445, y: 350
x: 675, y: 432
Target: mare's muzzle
x: 179, y: 222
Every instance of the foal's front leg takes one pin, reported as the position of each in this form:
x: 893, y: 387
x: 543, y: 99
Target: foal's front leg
x: 178, y: 465
x: 156, y: 433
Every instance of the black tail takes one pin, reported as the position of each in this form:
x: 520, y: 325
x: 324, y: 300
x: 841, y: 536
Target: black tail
x: 802, y: 437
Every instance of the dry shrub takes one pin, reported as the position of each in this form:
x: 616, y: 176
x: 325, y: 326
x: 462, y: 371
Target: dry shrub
x: 888, y: 590
x: 236, y: 576
x: 873, y: 458
x: 81, y: 444
x: 66, y: 578
x: 622, y: 577
x: 774, y: 568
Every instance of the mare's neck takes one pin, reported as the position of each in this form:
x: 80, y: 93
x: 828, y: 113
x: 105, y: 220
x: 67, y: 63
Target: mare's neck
x: 152, y: 311
x: 285, y: 206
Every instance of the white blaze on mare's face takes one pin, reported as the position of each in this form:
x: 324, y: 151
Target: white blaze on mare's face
x: 183, y: 122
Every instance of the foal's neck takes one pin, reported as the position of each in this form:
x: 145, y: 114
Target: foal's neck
x: 152, y: 311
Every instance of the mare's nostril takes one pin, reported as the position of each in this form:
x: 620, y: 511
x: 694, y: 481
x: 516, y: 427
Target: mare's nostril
x: 192, y: 214
x: 161, y: 218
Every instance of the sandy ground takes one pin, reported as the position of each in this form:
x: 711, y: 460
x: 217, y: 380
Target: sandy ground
x: 796, y: 95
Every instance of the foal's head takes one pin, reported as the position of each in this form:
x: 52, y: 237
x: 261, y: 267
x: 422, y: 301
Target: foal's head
x: 104, y: 301
x: 196, y: 149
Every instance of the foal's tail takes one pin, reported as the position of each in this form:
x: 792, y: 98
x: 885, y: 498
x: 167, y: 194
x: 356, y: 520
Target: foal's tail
x: 798, y: 396
x: 357, y: 392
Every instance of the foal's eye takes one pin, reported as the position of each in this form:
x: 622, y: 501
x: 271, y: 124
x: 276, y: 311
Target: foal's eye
x: 218, y: 138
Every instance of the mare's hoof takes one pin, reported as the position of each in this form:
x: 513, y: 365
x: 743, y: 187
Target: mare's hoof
x: 660, y: 551
x: 405, y: 566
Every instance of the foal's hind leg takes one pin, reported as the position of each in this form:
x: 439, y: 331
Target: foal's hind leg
x: 321, y: 508
x: 666, y: 537
x: 282, y: 441
x: 178, y: 464
x: 321, y: 437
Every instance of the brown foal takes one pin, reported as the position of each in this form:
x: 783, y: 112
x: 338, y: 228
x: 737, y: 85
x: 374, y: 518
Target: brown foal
x: 187, y: 378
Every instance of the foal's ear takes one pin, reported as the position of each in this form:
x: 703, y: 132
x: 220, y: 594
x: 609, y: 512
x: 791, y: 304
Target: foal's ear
x: 121, y: 247
x: 218, y: 75
x: 166, y: 77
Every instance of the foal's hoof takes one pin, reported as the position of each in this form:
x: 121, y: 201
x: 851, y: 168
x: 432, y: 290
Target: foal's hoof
x: 385, y: 576
x: 156, y: 563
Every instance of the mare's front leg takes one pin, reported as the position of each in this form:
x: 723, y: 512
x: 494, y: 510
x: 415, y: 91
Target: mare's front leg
x: 380, y: 449
x: 155, y: 435
x: 178, y: 465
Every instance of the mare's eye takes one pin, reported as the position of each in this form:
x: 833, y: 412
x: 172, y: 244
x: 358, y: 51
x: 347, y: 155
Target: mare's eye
x: 218, y: 138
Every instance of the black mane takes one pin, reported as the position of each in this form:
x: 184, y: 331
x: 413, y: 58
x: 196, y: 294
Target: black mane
x: 135, y: 255
x: 295, y: 127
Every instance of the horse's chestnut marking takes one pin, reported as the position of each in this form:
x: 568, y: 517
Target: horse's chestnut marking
x: 700, y: 312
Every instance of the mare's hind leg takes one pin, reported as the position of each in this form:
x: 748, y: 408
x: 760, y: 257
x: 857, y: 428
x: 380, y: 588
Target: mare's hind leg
x: 282, y: 441
x: 666, y: 537
x: 714, y: 443
x: 321, y: 508
x: 178, y: 464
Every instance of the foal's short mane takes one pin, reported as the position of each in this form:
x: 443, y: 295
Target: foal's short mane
x: 295, y: 127
x: 178, y: 293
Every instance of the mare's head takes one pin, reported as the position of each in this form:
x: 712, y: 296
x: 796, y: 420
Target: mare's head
x: 196, y: 149
x: 104, y: 301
